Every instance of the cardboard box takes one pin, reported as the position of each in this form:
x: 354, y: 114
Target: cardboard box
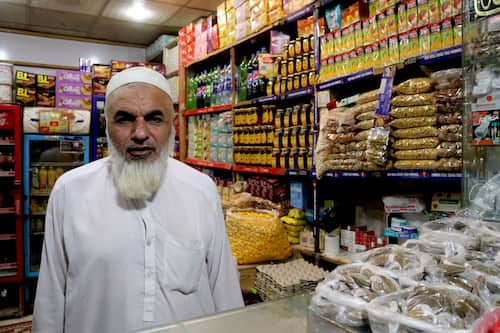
x: 47, y: 82
x: 101, y: 72
x: 74, y: 102
x: 446, y: 202
x: 25, y: 96
x: 99, y: 87
x: 73, y: 76
x: 75, y: 89
x: 45, y: 98
x: 25, y: 79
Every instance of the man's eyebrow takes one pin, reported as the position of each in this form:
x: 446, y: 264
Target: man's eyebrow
x: 123, y: 113
x: 153, y: 113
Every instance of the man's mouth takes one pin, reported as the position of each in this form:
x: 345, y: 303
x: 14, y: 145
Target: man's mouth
x: 140, y: 153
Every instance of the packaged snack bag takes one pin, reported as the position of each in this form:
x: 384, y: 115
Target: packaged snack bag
x: 392, y: 22
x: 384, y: 52
x: 374, y: 29
x: 436, y: 43
x: 412, y: 14
x: 446, y: 34
x: 393, y: 50
x: 413, y: 49
x: 457, y: 30
x: 358, y: 34
x: 457, y: 7
x: 424, y: 40
x: 446, y: 8
x: 382, y: 25
x: 403, y: 46
x: 434, y: 15
x: 423, y: 12
x: 402, y: 19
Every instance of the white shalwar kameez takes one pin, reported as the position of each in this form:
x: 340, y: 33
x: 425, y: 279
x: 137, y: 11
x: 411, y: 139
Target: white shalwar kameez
x: 111, y: 265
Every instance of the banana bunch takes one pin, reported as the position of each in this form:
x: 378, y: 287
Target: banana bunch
x: 294, y: 223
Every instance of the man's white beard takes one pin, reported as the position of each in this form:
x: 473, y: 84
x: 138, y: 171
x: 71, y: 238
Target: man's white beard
x: 137, y: 179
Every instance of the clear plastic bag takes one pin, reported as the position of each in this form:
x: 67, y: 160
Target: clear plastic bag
x: 415, y: 132
x: 421, y: 143
x: 434, y: 309
x: 377, y: 146
x: 448, y: 78
x: 362, y: 136
x: 450, y: 149
x: 413, y: 111
x: 450, y: 164
x: 415, y: 86
x: 436, y: 245
x: 450, y: 95
x: 460, y: 230
x: 414, y: 122
x: 413, y: 154
x: 450, y: 133
x: 363, y: 108
x: 404, y: 263
x: 367, y: 97
x: 413, y: 100
x: 345, y: 293
x: 342, y: 137
x: 449, y: 118
x: 416, y: 165
x: 364, y: 125
x: 366, y: 116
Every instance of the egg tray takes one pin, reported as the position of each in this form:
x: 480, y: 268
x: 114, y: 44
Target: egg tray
x: 283, y: 280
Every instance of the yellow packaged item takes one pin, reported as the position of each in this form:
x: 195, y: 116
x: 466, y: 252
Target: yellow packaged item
x: 339, y: 43
x: 392, y: 22
x: 424, y: 40
x: 294, y: 240
x: 292, y: 233
x: 423, y: 12
x: 296, y: 213
x: 413, y: 47
x: 256, y: 236
x: 434, y: 14
x: 382, y: 25
x: 412, y: 14
x: 253, y: 3
x: 421, y: 143
x: 436, y: 43
x: 393, y: 50
x: 416, y: 164
x: 384, y: 53
x: 231, y: 18
x: 258, y: 9
x: 402, y: 20
x: 403, y: 46
x: 221, y: 10
x: 276, y: 14
x: 446, y: 34
x: 358, y: 35
x: 414, y: 122
x: 374, y: 35
x: 229, y: 4
x: 257, y: 23
x: 415, y: 86
x: 242, y: 13
x: 365, y: 27
x: 375, y: 55
x: 457, y: 30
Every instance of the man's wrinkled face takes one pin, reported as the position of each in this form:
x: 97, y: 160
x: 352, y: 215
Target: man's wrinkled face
x: 139, y: 121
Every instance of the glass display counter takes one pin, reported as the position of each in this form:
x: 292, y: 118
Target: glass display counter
x: 287, y: 315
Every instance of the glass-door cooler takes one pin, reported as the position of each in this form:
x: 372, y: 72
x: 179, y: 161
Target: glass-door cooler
x: 46, y: 158
x: 481, y: 66
x: 11, y: 238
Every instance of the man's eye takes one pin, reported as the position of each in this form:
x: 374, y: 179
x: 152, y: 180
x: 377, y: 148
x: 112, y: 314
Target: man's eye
x: 156, y: 120
x: 123, y: 120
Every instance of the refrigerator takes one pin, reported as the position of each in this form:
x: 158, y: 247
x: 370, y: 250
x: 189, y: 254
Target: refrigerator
x: 481, y: 118
x: 11, y: 238
x: 46, y: 158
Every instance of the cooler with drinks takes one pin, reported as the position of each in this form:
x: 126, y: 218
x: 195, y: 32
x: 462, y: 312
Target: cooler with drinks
x: 11, y: 237
x: 46, y: 158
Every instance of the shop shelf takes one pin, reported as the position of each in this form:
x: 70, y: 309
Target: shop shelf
x: 7, y: 237
x: 266, y: 99
x: 298, y: 172
x: 309, y: 91
x: 6, y: 142
x: 259, y: 170
x: 7, y: 173
x: 208, y: 56
x: 56, y: 164
x: 342, y: 258
x: 338, y: 81
x: 7, y: 210
x: 441, y: 55
x: 37, y: 214
x: 211, y: 109
x: 301, y: 13
x: 243, y: 104
x: 39, y: 193
x: 208, y: 164
x: 347, y: 174
x: 330, y: 84
x: 424, y: 175
x: 359, y: 75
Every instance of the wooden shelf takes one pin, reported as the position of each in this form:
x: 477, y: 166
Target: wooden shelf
x: 208, y: 164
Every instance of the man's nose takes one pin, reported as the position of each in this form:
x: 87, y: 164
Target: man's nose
x: 140, y: 131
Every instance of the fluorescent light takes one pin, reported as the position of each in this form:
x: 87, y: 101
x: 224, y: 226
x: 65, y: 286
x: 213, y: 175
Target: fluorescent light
x: 3, y: 55
x: 138, y: 12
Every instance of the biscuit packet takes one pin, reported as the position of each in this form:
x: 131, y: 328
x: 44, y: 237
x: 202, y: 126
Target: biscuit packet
x: 436, y: 43
x: 424, y: 40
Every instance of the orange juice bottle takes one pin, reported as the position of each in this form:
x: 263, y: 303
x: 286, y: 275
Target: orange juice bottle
x: 59, y: 172
x: 43, y: 178
x: 51, y: 177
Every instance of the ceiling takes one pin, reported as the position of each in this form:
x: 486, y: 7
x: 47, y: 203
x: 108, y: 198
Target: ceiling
x: 102, y: 19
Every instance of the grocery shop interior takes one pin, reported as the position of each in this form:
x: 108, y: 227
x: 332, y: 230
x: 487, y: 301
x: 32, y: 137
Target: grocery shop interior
x: 333, y: 166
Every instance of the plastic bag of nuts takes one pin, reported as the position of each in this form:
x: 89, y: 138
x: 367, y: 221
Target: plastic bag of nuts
x: 414, y: 100
x: 414, y: 122
x: 413, y: 111
x: 415, y: 86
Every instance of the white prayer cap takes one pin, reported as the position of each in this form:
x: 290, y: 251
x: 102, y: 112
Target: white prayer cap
x: 138, y: 75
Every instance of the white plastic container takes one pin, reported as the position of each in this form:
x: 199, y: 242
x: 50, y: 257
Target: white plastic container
x: 6, y: 73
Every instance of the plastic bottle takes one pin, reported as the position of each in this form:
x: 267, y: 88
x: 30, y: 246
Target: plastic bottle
x: 209, y: 88
x: 59, y: 172
x: 51, y: 178
x: 243, y: 77
x: 229, y: 86
x: 255, y: 76
x: 35, y: 178
x: 199, y: 101
x: 43, y: 178
x: 249, y: 76
x: 262, y: 80
x: 215, y: 87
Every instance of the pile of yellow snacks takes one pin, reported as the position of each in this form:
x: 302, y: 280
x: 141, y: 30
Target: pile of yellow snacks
x: 256, y: 236
x: 391, y: 34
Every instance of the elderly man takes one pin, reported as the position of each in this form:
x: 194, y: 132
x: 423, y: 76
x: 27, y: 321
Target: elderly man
x: 137, y: 239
